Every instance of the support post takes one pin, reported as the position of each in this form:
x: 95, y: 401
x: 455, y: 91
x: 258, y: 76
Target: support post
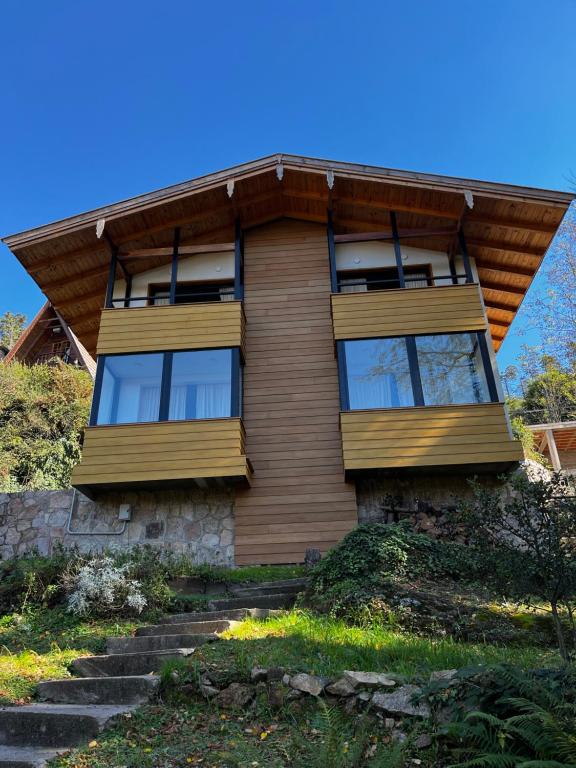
x: 236, y: 383
x: 342, y: 376
x: 397, y: 250
x: 488, y: 369
x: 128, y: 290
x: 111, y: 278
x: 465, y: 257
x: 415, y: 378
x: 97, y: 390
x: 165, y: 385
x: 174, y: 273
x: 238, y: 262
x: 553, y: 450
x: 332, y: 254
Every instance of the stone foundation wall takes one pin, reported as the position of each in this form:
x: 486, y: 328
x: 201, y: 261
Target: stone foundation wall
x: 195, y: 522
x: 379, y: 495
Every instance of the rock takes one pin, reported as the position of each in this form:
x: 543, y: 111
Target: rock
x: 399, y: 702
x: 350, y: 706
x: 389, y: 723
x: 399, y: 736
x: 423, y: 741
x: 275, y: 674
x: 277, y: 696
x: 236, y: 696
x: 369, y: 679
x: 286, y: 679
x: 208, y: 691
x: 341, y: 687
x: 308, y: 683
x: 258, y: 674
x: 293, y: 694
x: 443, y: 674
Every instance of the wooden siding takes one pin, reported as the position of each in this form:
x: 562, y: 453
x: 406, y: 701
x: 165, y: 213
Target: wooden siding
x: 182, y: 326
x: 425, y: 437
x: 128, y: 454
x: 299, y: 497
x: 406, y: 311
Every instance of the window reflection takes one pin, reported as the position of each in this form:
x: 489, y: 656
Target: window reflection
x: 201, y: 384
x: 378, y: 374
x: 451, y: 369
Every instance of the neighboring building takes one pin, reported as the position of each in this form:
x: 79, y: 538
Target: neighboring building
x: 48, y: 337
x: 306, y: 333
x: 557, y: 443
x: 3, y: 352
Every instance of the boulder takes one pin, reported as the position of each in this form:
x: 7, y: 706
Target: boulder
x: 208, y: 691
x: 369, y: 679
x: 236, y: 696
x: 423, y: 741
x: 443, y: 674
x: 308, y: 683
x: 275, y: 674
x: 399, y: 702
x: 258, y: 675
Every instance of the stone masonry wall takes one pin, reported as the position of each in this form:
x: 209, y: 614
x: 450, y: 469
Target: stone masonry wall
x: 195, y: 522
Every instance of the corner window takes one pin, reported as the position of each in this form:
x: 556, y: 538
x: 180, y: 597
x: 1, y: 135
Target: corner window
x: 148, y: 387
x: 451, y: 369
x: 399, y: 372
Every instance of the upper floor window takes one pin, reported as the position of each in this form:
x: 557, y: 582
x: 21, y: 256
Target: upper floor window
x: 443, y: 369
x: 196, y: 384
x: 187, y: 293
x: 361, y: 280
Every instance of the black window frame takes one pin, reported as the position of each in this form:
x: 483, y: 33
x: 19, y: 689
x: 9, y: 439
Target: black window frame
x: 236, y: 383
x: 414, y: 366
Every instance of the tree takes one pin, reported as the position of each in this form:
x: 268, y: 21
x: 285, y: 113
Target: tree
x: 11, y: 326
x: 531, y: 538
x: 43, y: 409
x: 550, y: 396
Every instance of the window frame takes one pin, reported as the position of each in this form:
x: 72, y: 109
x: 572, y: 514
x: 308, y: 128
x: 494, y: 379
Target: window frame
x: 414, y: 365
x: 236, y: 383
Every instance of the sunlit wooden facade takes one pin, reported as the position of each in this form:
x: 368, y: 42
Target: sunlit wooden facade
x: 287, y: 326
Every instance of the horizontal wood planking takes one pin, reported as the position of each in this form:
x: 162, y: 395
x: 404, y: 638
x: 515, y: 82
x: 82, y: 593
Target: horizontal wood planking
x: 405, y: 311
x: 299, y: 497
x: 432, y: 436
x: 182, y: 326
x: 177, y: 450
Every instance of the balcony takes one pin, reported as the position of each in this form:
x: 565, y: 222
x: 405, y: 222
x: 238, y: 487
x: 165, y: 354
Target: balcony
x: 162, y: 454
x: 471, y: 436
x: 408, y: 311
x: 204, y: 325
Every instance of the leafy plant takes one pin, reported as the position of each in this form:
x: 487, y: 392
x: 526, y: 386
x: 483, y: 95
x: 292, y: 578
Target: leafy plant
x: 99, y: 587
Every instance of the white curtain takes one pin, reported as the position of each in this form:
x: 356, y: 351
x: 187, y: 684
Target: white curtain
x: 212, y: 401
x: 360, y: 287
x: 178, y: 402
x: 149, y: 404
x: 377, y: 392
x: 226, y: 293
x: 423, y: 283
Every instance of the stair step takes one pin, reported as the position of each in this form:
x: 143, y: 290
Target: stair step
x: 288, y: 587
x: 186, y: 628
x: 137, y: 689
x: 55, y: 725
x: 156, y: 643
x: 281, y: 600
x: 236, y: 614
x: 27, y: 757
x: 127, y: 664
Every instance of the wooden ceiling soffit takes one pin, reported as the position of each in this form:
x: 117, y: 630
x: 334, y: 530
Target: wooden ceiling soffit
x: 501, y: 306
x: 511, y: 269
x: 490, y: 285
x: 183, y: 250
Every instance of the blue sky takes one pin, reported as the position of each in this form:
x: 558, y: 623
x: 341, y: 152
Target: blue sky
x: 104, y: 100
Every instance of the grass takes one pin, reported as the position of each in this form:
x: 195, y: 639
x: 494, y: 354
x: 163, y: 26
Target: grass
x: 300, y: 641
x: 249, y: 573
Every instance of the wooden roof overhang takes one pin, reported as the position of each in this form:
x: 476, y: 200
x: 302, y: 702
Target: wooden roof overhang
x: 508, y: 228
x: 564, y: 434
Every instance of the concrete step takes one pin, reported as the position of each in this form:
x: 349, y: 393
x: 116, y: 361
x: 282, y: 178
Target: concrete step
x: 26, y: 757
x: 280, y: 600
x: 186, y: 628
x: 137, y: 689
x: 156, y: 643
x: 55, y: 725
x: 286, y: 587
x: 236, y: 614
x: 127, y: 664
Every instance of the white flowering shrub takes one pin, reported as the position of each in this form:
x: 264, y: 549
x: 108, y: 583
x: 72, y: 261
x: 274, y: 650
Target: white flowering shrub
x: 99, y: 587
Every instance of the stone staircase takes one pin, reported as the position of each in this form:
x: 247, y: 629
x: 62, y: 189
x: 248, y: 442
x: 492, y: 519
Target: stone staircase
x: 73, y: 711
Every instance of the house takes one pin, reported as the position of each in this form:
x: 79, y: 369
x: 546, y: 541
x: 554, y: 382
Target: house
x: 48, y: 337
x: 306, y: 334
x: 557, y: 443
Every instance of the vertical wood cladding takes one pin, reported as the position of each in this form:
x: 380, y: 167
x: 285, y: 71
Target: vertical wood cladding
x: 299, y: 497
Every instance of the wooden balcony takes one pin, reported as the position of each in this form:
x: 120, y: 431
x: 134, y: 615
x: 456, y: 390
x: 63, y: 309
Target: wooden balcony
x: 169, y: 327
x: 447, y: 435
x: 407, y: 311
x: 162, y: 454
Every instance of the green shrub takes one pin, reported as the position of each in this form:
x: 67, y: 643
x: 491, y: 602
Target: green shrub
x: 33, y: 580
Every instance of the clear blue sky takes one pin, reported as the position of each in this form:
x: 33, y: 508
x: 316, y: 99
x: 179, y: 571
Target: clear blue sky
x: 104, y: 100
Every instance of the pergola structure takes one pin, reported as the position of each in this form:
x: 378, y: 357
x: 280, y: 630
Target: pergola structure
x: 506, y: 228
x: 557, y: 441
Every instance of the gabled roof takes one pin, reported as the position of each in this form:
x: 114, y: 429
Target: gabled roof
x: 508, y: 227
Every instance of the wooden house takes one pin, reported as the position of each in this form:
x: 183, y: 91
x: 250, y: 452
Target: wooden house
x: 290, y: 327
x: 49, y: 337
x: 557, y: 443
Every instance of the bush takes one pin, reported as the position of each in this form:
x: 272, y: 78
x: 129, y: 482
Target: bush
x: 33, y: 580
x: 98, y: 587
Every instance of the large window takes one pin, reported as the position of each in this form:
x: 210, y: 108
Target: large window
x: 378, y: 374
x: 199, y: 384
x: 362, y: 280
x: 188, y: 293
x: 443, y: 369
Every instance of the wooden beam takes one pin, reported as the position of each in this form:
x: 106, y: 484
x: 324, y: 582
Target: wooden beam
x: 498, y: 323
x: 82, y: 297
x: 506, y: 247
x: 479, y: 218
x: 388, y: 235
x: 78, y: 277
x: 501, y: 306
x: 512, y: 269
x: 490, y: 285
x: 554, y: 457
x: 184, y: 250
